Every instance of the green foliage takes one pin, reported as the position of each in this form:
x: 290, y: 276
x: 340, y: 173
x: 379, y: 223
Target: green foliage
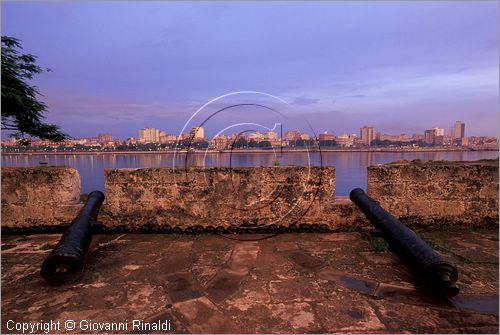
x: 240, y: 143
x: 276, y: 163
x: 22, y: 112
x: 348, y: 228
x: 433, y: 243
x: 378, y: 244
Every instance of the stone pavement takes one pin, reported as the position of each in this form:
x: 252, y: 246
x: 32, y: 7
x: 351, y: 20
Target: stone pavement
x: 291, y: 283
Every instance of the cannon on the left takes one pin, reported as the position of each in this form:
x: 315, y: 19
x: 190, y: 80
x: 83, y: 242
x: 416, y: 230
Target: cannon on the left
x: 67, y: 259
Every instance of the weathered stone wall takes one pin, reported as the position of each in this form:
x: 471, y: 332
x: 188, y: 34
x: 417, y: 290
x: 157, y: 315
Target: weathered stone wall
x: 219, y: 196
x: 437, y: 192
x: 431, y: 194
x: 38, y: 196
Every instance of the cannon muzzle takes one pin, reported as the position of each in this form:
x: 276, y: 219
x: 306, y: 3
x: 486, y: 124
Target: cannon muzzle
x: 431, y: 271
x: 66, y: 261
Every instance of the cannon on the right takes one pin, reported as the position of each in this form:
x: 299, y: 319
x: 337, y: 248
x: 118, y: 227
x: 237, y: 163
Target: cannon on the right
x: 431, y: 271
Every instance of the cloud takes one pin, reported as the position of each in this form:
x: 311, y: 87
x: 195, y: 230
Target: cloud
x: 302, y: 101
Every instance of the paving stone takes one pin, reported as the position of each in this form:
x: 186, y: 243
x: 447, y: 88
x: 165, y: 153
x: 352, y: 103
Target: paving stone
x: 294, y: 283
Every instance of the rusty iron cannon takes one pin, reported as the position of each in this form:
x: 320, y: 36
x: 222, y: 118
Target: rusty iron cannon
x: 432, y: 273
x: 66, y: 261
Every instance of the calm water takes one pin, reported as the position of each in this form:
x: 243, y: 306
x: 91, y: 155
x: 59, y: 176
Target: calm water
x: 350, y: 166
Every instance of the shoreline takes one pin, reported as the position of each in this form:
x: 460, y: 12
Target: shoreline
x: 242, y: 151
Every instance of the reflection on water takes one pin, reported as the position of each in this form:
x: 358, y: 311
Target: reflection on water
x: 350, y: 166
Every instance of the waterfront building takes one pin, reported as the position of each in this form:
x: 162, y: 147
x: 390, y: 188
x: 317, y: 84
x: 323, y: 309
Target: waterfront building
x: 149, y: 135
x: 434, y: 136
x: 326, y: 136
x: 439, y: 131
x: 197, y: 133
x: 417, y: 137
x: 429, y: 135
x: 220, y: 142
x: 293, y: 135
x: 367, y: 135
x: 346, y: 140
x: 271, y: 136
x: 167, y: 138
x: 459, y: 130
x: 105, y: 138
x: 393, y: 138
x: 256, y: 136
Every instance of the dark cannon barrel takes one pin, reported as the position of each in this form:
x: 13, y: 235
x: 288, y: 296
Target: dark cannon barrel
x: 431, y: 271
x: 66, y: 261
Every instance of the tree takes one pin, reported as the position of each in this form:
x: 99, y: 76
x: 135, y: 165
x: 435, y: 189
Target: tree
x: 22, y: 112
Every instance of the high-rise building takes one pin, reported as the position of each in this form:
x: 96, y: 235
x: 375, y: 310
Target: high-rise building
x: 367, y: 135
x: 197, y: 133
x: 429, y: 136
x: 459, y: 130
x: 434, y: 136
x: 149, y: 135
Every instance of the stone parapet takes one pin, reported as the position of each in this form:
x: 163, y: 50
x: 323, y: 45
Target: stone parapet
x: 219, y: 196
x: 437, y: 192
x: 39, y: 196
x: 431, y: 194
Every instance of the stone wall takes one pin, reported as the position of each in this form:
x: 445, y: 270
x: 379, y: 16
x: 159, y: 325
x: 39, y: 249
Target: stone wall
x: 420, y: 194
x: 39, y: 196
x: 219, y: 196
x: 438, y: 192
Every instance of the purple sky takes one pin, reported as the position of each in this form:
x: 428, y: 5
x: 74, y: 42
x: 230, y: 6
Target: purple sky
x: 399, y: 66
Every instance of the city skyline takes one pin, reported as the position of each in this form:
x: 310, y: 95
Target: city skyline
x: 120, y: 66
x: 194, y: 138
x: 153, y: 134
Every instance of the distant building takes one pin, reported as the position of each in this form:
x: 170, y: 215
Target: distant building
x: 345, y: 140
x: 197, y: 133
x: 429, y: 135
x: 459, y: 130
x: 434, y: 136
x: 367, y: 135
x: 439, y: 140
x: 149, y: 135
x: 255, y: 136
x: 439, y: 131
x: 393, y: 138
x: 294, y: 135
x: 220, y: 142
x: 326, y: 136
x: 167, y: 138
x: 305, y: 136
x: 104, y: 138
x: 417, y: 137
x: 271, y: 135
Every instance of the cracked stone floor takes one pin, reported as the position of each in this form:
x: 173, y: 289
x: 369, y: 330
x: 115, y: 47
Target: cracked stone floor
x: 291, y: 283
